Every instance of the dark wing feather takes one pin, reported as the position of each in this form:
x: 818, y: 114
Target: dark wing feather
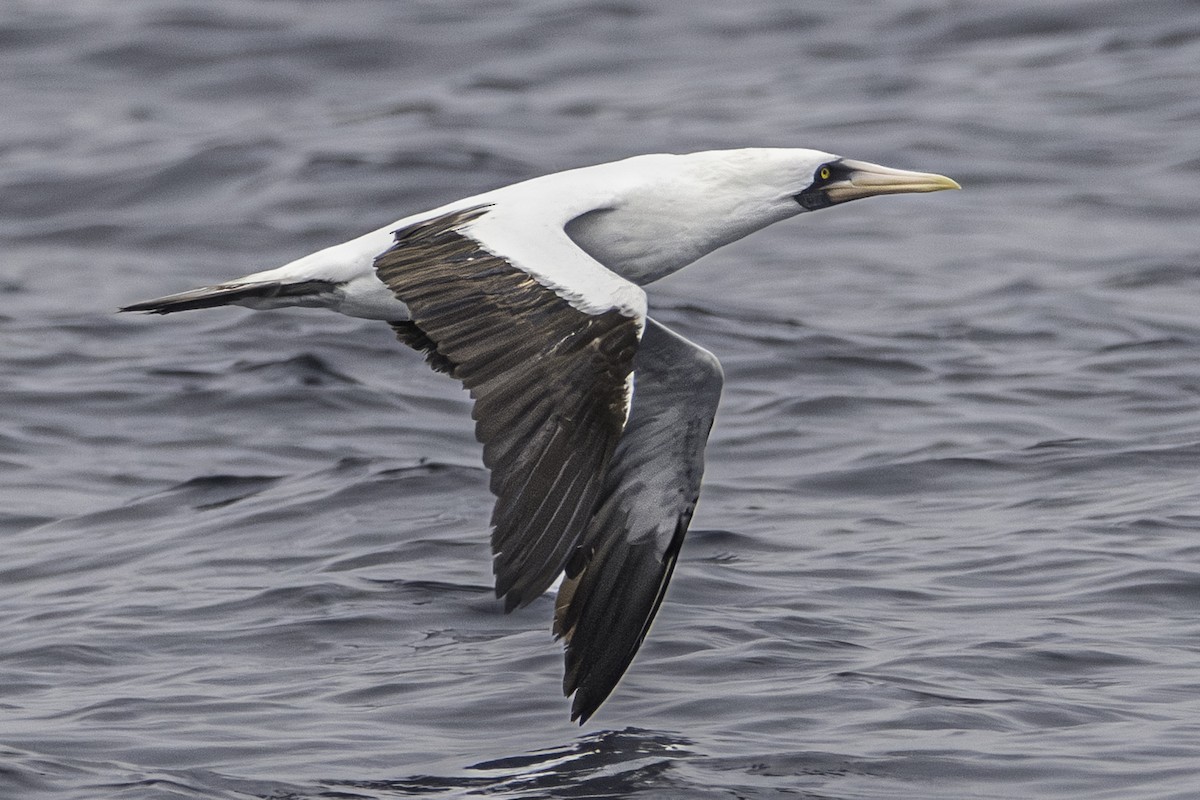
x: 618, y: 574
x: 548, y: 380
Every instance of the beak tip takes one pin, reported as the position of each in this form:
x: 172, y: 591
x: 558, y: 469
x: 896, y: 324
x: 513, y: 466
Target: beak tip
x: 937, y: 183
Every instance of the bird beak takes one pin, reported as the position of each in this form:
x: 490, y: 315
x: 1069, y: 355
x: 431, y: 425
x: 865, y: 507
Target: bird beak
x: 864, y: 179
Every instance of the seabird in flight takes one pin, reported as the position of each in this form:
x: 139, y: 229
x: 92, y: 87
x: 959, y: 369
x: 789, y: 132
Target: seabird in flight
x: 593, y: 416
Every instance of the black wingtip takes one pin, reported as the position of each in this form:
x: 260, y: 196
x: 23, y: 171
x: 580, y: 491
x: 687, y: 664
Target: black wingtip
x: 581, y: 712
x: 512, y: 601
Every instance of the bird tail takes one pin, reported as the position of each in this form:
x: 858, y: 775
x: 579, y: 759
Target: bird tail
x: 256, y: 294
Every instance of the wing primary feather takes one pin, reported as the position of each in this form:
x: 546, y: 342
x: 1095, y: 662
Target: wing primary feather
x: 617, y: 575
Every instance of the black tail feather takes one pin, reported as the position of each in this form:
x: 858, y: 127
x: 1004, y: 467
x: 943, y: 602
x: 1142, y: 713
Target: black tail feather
x: 227, y: 294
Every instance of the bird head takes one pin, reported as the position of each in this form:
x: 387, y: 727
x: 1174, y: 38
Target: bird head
x: 838, y: 180
x: 791, y: 180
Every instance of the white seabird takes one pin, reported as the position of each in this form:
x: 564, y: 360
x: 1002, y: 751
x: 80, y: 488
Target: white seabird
x: 593, y: 417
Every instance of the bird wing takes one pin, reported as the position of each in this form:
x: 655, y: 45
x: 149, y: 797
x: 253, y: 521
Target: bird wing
x: 618, y: 573
x: 549, y: 380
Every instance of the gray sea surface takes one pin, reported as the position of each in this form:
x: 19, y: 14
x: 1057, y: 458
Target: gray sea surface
x: 949, y: 541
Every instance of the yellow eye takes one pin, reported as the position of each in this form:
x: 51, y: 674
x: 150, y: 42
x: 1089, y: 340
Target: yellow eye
x: 824, y: 173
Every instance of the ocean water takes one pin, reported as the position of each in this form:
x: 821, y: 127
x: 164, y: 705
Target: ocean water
x: 949, y: 542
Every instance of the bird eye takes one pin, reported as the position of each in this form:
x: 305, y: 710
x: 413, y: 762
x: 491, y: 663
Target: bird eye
x: 824, y: 173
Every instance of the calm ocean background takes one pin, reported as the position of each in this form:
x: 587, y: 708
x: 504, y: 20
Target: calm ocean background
x: 949, y: 545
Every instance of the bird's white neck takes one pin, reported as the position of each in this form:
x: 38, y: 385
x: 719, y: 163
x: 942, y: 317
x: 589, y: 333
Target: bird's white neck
x: 668, y: 211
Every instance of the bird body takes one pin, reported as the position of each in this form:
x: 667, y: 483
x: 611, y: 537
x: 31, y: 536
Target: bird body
x: 593, y: 416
